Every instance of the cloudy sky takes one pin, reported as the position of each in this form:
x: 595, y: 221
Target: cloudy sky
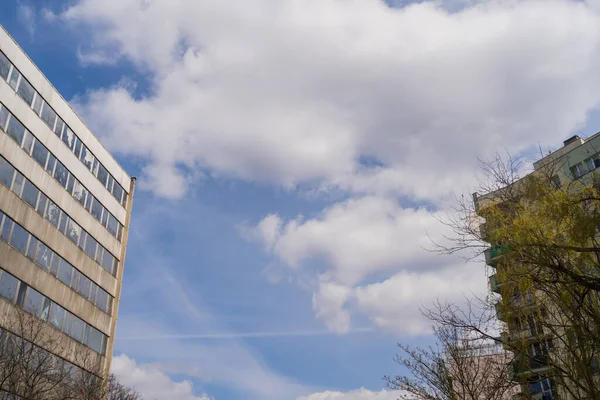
x: 292, y: 157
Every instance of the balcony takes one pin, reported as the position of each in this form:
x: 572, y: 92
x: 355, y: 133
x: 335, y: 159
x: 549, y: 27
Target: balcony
x: 494, y: 284
x: 492, y: 254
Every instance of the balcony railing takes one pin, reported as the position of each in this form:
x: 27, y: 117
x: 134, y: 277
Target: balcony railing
x: 492, y: 254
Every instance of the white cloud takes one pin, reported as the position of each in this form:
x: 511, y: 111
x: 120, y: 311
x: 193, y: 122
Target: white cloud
x: 294, y: 92
x: 26, y: 15
x: 150, y: 381
x: 360, y: 394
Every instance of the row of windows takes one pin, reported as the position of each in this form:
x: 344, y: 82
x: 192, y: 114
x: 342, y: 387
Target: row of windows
x: 28, y: 245
x: 32, y: 301
x: 587, y: 165
x: 57, y: 125
x: 15, y: 129
x: 29, y: 193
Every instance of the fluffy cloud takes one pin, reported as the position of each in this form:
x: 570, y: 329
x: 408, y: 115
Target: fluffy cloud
x: 295, y: 92
x: 150, y: 381
x: 360, y: 394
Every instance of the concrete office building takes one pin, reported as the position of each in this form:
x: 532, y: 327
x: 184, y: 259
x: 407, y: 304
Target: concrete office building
x: 577, y: 159
x: 65, y: 206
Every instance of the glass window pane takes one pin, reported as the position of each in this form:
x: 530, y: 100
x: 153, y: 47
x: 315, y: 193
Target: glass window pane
x: 93, y: 292
x: 8, y: 286
x: 45, y: 309
x: 3, y: 117
x: 99, y: 253
x: 28, y: 142
x: 33, y: 242
x: 87, y: 157
x: 77, y: 327
x: 41, y: 206
x: 75, y: 279
x: 111, y: 182
x: 17, y: 186
x: 30, y: 194
x: 43, y: 256
x: 79, y: 192
x: 65, y: 271
x: 52, y: 213
x: 4, y: 66
x: 8, y: 223
x: 102, y: 299
x: 102, y: 174
x: 73, y: 231
x: 54, y: 265
x: 57, y: 316
x: 19, y: 238
x: 71, y: 183
x: 104, y: 220
x: 40, y: 153
x: 108, y: 262
x: 90, y: 246
x: 61, y: 174
x: 26, y: 91
x: 97, y: 209
x: 84, y: 286
x: 21, y: 294
x: 6, y: 172
x: 48, y: 115
x: 113, y: 225
x: 77, y: 149
x: 59, y: 126
x: 16, y: 130
x: 110, y: 303
x: 33, y: 303
x: 37, y: 104
x: 51, y: 163
x: 118, y: 191
x: 14, y: 78
x: 95, y: 340
x: 62, y: 226
x: 69, y: 138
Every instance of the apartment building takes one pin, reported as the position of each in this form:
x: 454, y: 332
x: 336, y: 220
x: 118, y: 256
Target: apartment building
x: 576, y: 159
x: 65, y: 206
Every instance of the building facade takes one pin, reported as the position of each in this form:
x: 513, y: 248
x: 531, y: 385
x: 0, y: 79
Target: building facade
x: 65, y: 206
x: 575, y: 160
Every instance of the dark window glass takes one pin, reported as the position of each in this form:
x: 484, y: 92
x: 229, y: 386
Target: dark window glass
x: 87, y: 157
x: 73, y: 231
x: 96, y: 340
x: 52, y: 213
x: 90, y: 246
x: 79, y: 192
x: 108, y: 262
x: 45, y: 309
x: 61, y: 174
x: 4, y: 66
x: 8, y: 286
x: 43, y: 256
x: 8, y: 223
x: 33, y: 303
x: 14, y: 78
x: 41, y: 206
x: 102, y: 300
x: 21, y: 294
x: 37, y: 104
x: 118, y: 191
x: 51, y: 163
x: 111, y: 182
x: 104, y: 220
x: 99, y: 253
x: 6, y: 172
x: 70, y: 184
x: 26, y: 91
x: 17, y: 186
x: 84, y: 286
x: 88, y: 202
x: 102, y: 174
x: 16, y: 130
x: 75, y: 280
x: 28, y: 142
x: 3, y: 117
x: 57, y: 315
x: 68, y: 138
x: 113, y: 225
x: 48, y: 115
x: 78, y: 145
x: 30, y: 194
x: 33, y: 242
x: 65, y: 271
x: 54, y: 265
x: 93, y: 292
x: 40, y: 153
x: 77, y: 327
x: 97, y: 209
x: 59, y: 126
x: 63, y: 223
x: 19, y: 238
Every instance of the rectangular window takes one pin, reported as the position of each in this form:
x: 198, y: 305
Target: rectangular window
x: 75, y: 280
x: 87, y: 157
x: 53, y: 213
x: 109, y: 262
x: 41, y: 206
x: 111, y: 181
x: 70, y: 184
x: 3, y: 117
x: 45, y: 309
x: 14, y: 78
x: 4, y: 66
x: 8, y: 286
x: 21, y: 294
x: 77, y: 149
x: 57, y: 315
x: 67, y: 322
x: 19, y: 239
x: 37, y: 104
x: 77, y: 327
x: 33, y: 303
x: 113, y: 225
x: 62, y: 226
x: 73, y: 231
x: 8, y: 223
x: 118, y: 192
x: 54, y: 265
x: 79, y: 193
x: 26, y: 91
x: 51, y: 164
x: 65, y: 271
x: 48, y: 115
x: 33, y: 242
x: 102, y: 300
x: 97, y: 209
x: 104, y: 220
x: 61, y: 174
x: 90, y: 246
x: 93, y: 292
x: 44, y: 255
x: 28, y: 142
x: 16, y: 130
x: 6, y: 172
x: 68, y: 138
x: 30, y: 194
x: 96, y: 340
x: 17, y: 186
x: 84, y: 286
x: 102, y: 174
x: 59, y: 126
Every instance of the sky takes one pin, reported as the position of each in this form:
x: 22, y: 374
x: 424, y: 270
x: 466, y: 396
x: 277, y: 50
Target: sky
x: 293, y: 160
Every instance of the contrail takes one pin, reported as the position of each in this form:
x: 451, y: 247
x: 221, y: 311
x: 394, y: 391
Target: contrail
x: 240, y: 335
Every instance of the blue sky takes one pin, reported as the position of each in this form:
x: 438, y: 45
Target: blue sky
x: 291, y: 157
